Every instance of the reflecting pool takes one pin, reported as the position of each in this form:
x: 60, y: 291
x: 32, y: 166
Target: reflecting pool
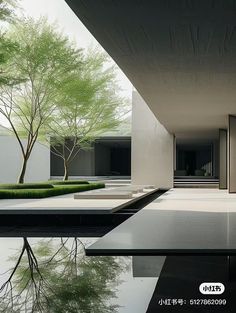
x: 53, y: 275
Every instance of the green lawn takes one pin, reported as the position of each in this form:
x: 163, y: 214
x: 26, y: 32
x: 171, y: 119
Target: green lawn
x: 43, y: 190
x: 26, y: 186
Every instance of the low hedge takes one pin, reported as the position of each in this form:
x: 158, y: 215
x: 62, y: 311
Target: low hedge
x: 68, y: 182
x: 26, y: 186
x: 44, y: 193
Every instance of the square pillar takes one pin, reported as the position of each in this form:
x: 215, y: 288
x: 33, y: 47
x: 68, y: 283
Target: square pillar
x: 223, y: 155
x: 152, y: 148
x: 232, y: 154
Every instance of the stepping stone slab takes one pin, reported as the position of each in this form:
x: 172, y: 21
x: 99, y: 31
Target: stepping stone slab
x: 104, y: 195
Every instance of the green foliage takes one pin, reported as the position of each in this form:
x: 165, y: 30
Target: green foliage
x: 90, y: 102
x: 49, y: 192
x: 68, y: 182
x: 7, y: 46
x: 55, y: 276
x: 90, y: 105
x: 7, y: 50
x: 42, y: 63
x: 44, y: 53
x: 7, y: 9
x: 26, y: 186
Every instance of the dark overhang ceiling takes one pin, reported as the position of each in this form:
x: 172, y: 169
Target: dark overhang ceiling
x: 179, y: 54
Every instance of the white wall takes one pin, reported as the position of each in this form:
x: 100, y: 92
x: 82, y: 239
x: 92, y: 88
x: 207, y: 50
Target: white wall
x: 38, y: 168
x: 82, y: 165
x: 152, y: 147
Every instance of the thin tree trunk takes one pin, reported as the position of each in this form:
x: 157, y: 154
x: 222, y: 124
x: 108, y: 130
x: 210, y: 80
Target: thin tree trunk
x: 22, y: 172
x: 66, y: 173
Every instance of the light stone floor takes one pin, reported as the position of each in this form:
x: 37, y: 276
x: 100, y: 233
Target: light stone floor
x: 62, y: 203
x: 192, y: 199
x: 195, y: 199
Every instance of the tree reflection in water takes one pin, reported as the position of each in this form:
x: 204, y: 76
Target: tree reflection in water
x: 55, y: 276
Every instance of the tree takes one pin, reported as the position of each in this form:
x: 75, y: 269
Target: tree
x: 55, y: 277
x: 90, y: 105
x: 7, y: 46
x: 7, y: 9
x: 44, y: 61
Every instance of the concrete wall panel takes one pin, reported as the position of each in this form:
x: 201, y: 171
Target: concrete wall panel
x: 223, y: 159
x: 152, y: 147
x: 82, y: 165
x: 38, y: 168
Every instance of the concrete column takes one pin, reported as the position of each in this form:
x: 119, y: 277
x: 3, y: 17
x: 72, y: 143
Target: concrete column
x: 174, y: 152
x: 152, y: 148
x: 223, y: 159
x: 232, y: 154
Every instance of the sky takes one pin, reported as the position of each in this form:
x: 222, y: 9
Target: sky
x: 58, y: 11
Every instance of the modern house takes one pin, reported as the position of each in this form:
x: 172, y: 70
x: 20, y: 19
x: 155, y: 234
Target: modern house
x: 180, y: 57
x: 109, y: 156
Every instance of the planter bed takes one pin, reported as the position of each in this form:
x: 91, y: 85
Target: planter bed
x: 50, y: 191
x: 26, y: 186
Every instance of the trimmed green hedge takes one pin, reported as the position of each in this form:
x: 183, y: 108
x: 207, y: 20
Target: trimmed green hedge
x: 68, y: 182
x: 43, y: 193
x: 26, y: 186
